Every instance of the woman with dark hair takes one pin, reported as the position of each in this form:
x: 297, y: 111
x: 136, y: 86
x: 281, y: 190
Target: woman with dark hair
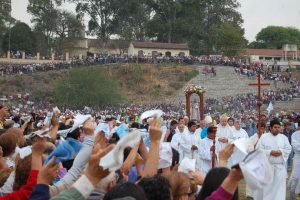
x: 213, y: 180
x: 125, y: 190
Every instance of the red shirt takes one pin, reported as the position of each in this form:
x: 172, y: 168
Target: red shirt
x: 24, y: 192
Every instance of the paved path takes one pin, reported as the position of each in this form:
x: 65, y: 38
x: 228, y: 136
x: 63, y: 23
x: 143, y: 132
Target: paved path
x: 226, y: 83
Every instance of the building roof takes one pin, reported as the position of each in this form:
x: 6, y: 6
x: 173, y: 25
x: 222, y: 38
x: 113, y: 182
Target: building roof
x: 110, y: 44
x: 159, y: 45
x: 268, y: 52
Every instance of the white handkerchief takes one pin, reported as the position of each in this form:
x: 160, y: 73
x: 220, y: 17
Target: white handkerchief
x: 152, y: 113
x: 56, y: 109
x: 242, y: 144
x: 79, y: 120
x: 256, y: 170
x: 114, y: 159
x: 103, y: 127
x: 187, y: 165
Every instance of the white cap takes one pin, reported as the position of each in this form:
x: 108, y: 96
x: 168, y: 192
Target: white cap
x: 208, y: 119
x: 187, y: 165
x: 40, y: 133
x: 152, y: 113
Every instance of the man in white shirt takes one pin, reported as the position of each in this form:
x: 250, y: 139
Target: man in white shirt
x: 230, y: 122
x: 277, y: 148
x: 224, y: 132
x: 206, y: 150
x: 294, y: 182
x: 238, y: 132
x: 190, y: 142
x: 176, y: 140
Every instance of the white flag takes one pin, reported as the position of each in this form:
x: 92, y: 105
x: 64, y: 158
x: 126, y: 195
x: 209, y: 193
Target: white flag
x: 270, y: 108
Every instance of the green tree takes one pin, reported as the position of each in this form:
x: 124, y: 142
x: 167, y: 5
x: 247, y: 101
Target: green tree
x: 68, y: 25
x: 87, y: 87
x: 22, y: 39
x: 130, y: 19
x: 274, y: 37
x: 44, y: 16
x: 230, y: 40
x: 100, y: 15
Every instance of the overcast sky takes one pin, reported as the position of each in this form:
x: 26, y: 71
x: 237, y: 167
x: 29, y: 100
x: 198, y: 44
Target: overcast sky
x: 257, y: 14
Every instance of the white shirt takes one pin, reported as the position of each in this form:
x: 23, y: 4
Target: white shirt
x: 205, y: 155
x: 188, y: 140
x: 241, y: 133
x: 224, y: 131
x: 276, y: 190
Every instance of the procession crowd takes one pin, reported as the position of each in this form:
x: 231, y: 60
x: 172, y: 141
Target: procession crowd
x: 128, y: 153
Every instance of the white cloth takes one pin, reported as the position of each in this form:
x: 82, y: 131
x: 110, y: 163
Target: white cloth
x: 186, y: 130
x: 24, y: 152
x: 198, y: 131
x: 188, y: 140
x: 205, y: 155
x: 253, y: 140
x: 175, y: 144
x: 224, y: 131
x: 294, y: 182
x: 114, y: 159
x: 276, y: 190
x: 236, y: 134
x: 8, y: 185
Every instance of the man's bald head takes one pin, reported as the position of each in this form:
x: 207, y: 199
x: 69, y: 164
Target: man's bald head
x: 223, y: 120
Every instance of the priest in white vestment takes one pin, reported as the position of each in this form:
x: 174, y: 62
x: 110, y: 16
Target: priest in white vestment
x: 238, y: 132
x: 224, y: 132
x: 190, y: 142
x: 253, y: 140
x: 294, y: 182
x: 176, y: 140
x: 206, y: 151
x: 277, y: 148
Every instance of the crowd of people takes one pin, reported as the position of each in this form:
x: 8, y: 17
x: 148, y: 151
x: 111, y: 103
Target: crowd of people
x: 19, y: 68
x: 132, y: 153
x: 274, y: 72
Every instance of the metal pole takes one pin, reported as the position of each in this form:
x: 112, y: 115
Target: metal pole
x: 9, y: 34
x: 259, y: 104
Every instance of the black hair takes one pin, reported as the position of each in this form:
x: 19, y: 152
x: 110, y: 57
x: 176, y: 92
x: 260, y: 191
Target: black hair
x: 230, y: 118
x: 180, y: 118
x: 211, y: 129
x: 156, y: 187
x: 191, y: 123
x: 262, y: 124
x: 135, y: 125
x: 213, y: 181
x: 173, y: 122
x: 274, y: 122
x: 125, y: 190
x: 74, y: 134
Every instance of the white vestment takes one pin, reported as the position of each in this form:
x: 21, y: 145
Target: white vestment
x: 175, y: 144
x: 205, y: 155
x: 224, y: 131
x: 236, y: 134
x: 294, y: 182
x: 188, y: 140
x: 276, y: 190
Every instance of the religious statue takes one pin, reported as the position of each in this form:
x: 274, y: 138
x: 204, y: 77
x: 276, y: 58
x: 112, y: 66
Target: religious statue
x: 196, y: 108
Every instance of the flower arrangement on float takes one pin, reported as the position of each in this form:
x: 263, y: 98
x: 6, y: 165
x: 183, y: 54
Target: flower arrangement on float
x: 194, y: 89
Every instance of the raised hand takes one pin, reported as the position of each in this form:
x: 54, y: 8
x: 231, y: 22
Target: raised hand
x: 89, y: 127
x: 226, y: 152
x: 48, y: 173
x: 94, y: 172
x: 155, y: 131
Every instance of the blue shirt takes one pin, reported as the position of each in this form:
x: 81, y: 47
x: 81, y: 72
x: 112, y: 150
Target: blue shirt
x: 204, y: 133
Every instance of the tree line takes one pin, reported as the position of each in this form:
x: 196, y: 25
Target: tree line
x: 208, y: 26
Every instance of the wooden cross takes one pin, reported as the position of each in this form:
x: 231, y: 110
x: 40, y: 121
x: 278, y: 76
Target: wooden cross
x: 259, y: 103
